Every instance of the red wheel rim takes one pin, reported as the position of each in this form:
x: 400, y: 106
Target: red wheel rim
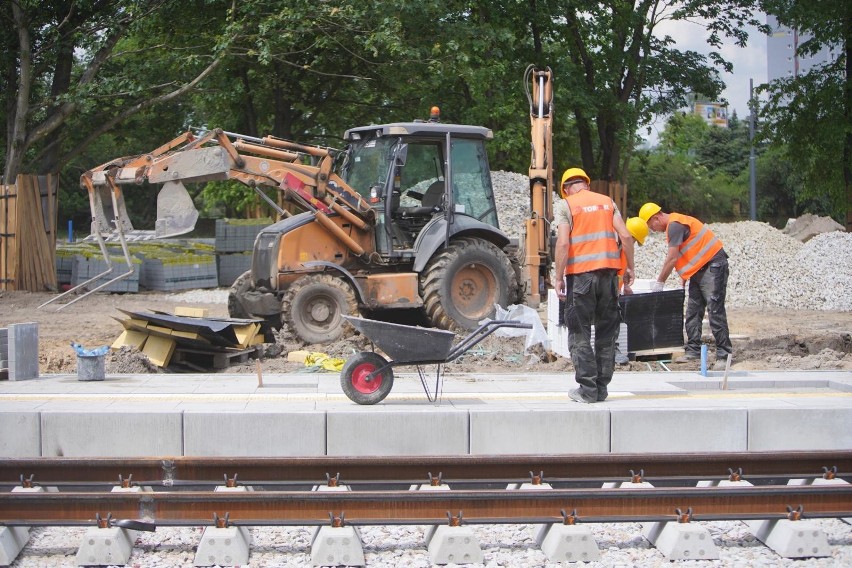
x: 359, y: 378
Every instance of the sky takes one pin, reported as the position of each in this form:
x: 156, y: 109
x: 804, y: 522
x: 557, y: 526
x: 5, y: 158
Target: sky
x: 749, y: 63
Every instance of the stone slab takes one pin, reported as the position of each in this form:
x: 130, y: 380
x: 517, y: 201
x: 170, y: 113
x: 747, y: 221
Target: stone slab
x: 678, y: 430
x: 378, y: 432
x: 20, y: 437
x: 22, y: 344
x: 273, y: 434
x: 107, y: 434
x: 570, y: 431
x: 783, y: 429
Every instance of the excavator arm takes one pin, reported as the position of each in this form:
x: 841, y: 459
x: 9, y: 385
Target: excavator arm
x: 537, y: 249
x: 302, y: 174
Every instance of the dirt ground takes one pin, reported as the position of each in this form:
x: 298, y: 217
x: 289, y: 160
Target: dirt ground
x: 763, y: 338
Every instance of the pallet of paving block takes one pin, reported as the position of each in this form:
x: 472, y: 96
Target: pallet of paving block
x: 220, y: 358
x: 661, y: 354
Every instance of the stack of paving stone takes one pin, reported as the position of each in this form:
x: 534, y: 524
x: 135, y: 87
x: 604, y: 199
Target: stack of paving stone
x: 77, y: 263
x: 19, y: 351
x: 173, y: 266
x: 234, y: 244
x: 4, y: 352
x: 164, y: 266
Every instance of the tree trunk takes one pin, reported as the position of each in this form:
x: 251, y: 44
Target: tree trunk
x: 280, y: 124
x: 249, y: 112
x: 587, y: 155
x: 17, y: 139
x: 59, y: 86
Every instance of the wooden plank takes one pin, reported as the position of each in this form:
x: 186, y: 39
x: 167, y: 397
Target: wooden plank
x: 10, y: 248
x: 7, y: 236
x: 35, y: 270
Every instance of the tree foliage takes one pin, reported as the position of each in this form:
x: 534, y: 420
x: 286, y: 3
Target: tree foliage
x: 811, y: 114
x: 85, y: 81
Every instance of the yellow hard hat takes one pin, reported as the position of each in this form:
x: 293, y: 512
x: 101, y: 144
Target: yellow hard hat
x: 649, y: 210
x: 573, y: 173
x: 638, y: 228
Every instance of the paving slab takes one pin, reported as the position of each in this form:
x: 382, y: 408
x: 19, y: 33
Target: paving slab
x: 162, y: 413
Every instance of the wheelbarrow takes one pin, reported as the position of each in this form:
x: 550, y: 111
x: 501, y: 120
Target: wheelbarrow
x: 367, y: 377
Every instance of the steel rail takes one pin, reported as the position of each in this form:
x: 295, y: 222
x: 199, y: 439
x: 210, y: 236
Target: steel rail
x: 196, y: 508
x: 174, y: 470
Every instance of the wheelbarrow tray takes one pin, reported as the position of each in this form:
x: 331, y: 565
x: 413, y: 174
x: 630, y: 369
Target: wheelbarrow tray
x: 406, y: 343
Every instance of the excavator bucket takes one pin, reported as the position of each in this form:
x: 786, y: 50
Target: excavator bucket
x: 176, y: 213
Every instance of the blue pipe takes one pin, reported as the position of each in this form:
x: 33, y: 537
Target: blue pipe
x: 703, y: 360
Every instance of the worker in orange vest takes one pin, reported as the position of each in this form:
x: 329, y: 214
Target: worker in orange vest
x: 699, y: 258
x: 587, y: 263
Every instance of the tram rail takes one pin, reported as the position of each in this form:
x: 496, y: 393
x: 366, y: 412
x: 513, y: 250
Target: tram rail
x: 377, y: 489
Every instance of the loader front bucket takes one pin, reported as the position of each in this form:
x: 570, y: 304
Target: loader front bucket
x: 176, y: 213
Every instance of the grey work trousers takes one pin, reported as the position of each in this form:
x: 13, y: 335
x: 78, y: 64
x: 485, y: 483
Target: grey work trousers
x: 592, y: 298
x: 707, y: 290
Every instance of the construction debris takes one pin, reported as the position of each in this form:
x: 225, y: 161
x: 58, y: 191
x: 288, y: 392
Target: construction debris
x: 191, y: 342
x: 808, y: 226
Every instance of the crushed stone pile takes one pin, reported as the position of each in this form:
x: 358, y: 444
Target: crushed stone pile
x: 768, y: 269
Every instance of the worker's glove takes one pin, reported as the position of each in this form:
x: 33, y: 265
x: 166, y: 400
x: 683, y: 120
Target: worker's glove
x: 657, y: 286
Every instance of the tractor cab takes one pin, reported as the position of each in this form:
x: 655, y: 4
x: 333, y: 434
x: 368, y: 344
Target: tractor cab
x: 410, y: 172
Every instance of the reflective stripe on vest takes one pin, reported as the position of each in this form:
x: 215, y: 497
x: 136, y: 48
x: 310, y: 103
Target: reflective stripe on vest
x: 698, y: 249
x: 593, y: 243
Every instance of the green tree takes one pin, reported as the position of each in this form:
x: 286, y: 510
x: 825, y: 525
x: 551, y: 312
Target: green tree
x: 684, y: 134
x: 812, y: 113
x: 92, y: 64
x: 622, y: 73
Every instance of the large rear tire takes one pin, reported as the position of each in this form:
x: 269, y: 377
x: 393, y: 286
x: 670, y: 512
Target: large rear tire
x: 461, y: 284
x: 314, y: 305
x: 238, y: 289
x: 354, y: 378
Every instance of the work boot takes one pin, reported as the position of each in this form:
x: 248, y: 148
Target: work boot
x: 577, y: 396
x: 687, y: 357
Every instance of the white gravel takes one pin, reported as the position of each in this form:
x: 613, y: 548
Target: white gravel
x: 621, y: 545
x: 768, y: 269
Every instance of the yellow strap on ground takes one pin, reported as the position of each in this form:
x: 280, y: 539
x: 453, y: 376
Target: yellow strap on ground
x: 317, y: 359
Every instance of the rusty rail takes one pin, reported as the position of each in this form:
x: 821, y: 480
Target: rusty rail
x: 426, y: 507
x: 375, y: 497
x: 175, y: 470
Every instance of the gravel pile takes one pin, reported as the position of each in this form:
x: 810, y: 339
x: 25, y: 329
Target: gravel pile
x: 621, y: 544
x: 768, y: 269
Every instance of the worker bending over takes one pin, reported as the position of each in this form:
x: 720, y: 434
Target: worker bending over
x: 697, y: 255
x: 587, y: 263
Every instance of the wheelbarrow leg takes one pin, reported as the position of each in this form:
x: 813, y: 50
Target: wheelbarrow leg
x: 433, y: 396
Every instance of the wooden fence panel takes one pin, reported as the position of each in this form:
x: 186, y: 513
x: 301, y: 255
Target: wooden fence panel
x: 28, y: 218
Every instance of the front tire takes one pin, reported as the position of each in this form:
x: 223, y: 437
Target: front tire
x: 461, y: 284
x: 354, y: 378
x: 239, y: 288
x: 314, y: 305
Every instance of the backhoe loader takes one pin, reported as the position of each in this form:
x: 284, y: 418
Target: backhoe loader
x: 404, y: 218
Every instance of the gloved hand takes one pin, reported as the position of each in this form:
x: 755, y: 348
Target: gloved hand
x: 657, y: 286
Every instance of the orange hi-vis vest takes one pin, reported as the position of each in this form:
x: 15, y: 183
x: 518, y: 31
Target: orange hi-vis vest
x: 594, y: 243
x: 698, y: 249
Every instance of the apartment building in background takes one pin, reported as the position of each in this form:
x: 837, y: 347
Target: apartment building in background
x: 781, y: 58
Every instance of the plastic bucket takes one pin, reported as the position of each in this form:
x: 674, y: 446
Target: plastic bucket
x: 90, y: 368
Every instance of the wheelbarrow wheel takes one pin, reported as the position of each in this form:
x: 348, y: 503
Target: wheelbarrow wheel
x: 355, y: 381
